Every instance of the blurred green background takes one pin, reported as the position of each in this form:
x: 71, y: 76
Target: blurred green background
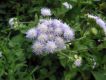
x: 19, y: 63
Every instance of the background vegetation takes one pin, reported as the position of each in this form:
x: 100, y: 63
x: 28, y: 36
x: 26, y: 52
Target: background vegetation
x: 17, y: 62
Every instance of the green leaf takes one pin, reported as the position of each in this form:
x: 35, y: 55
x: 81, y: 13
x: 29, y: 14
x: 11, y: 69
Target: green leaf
x: 16, y: 41
x: 69, y: 75
x: 101, y: 75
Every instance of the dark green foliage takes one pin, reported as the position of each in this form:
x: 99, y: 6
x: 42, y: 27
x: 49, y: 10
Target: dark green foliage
x: 18, y: 62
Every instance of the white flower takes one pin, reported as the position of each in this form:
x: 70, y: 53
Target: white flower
x: 51, y: 47
x: 12, y: 22
x: 31, y: 34
x: 46, y: 12
x: 67, y: 5
x: 38, y: 47
x: 78, y: 62
x: 99, y: 21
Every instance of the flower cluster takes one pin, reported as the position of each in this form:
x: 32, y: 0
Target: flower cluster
x: 46, y: 12
x: 50, y: 35
x: 99, y: 21
x: 78, y: 61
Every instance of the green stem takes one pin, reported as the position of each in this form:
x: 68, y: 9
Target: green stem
x: 83, y: 75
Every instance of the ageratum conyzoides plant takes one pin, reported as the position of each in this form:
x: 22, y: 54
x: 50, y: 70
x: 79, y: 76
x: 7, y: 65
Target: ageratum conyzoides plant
x: 50, y: 36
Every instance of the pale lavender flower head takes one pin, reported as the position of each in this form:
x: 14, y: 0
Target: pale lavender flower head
x: 50, y: 47
x: 68, y: 34
x: 58, y: 31
x: 42, y: 38
x: 78, y: 62
x: 42, y: 28
x: 102, y: 24
x: 50, y: 29
x: 65, y: 26
x: 51, y: 36
x: 56, y: 23
x: 99, y: 21
x: 38, y: 47
x: 46, y: 12
x: 60, y: 43
x: 31, y: 33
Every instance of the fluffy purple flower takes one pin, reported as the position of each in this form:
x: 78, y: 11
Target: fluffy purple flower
x: 58, y: 31
x: 68, y: 34
x: 56, y: 23
x: 52, y: 34
x: 99, y: 21
x: 51, y: 37
x: 60, y: 43
x: 31, y: 34
x: 46, y: 12
x: 65, y: 26
x: 38, y: 47
x: 50, y: 47
x: 77, y: 61
x: 42, y: 38
x: 42, y: 28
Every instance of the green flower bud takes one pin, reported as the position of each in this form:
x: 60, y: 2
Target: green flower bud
x: 94, y: 31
